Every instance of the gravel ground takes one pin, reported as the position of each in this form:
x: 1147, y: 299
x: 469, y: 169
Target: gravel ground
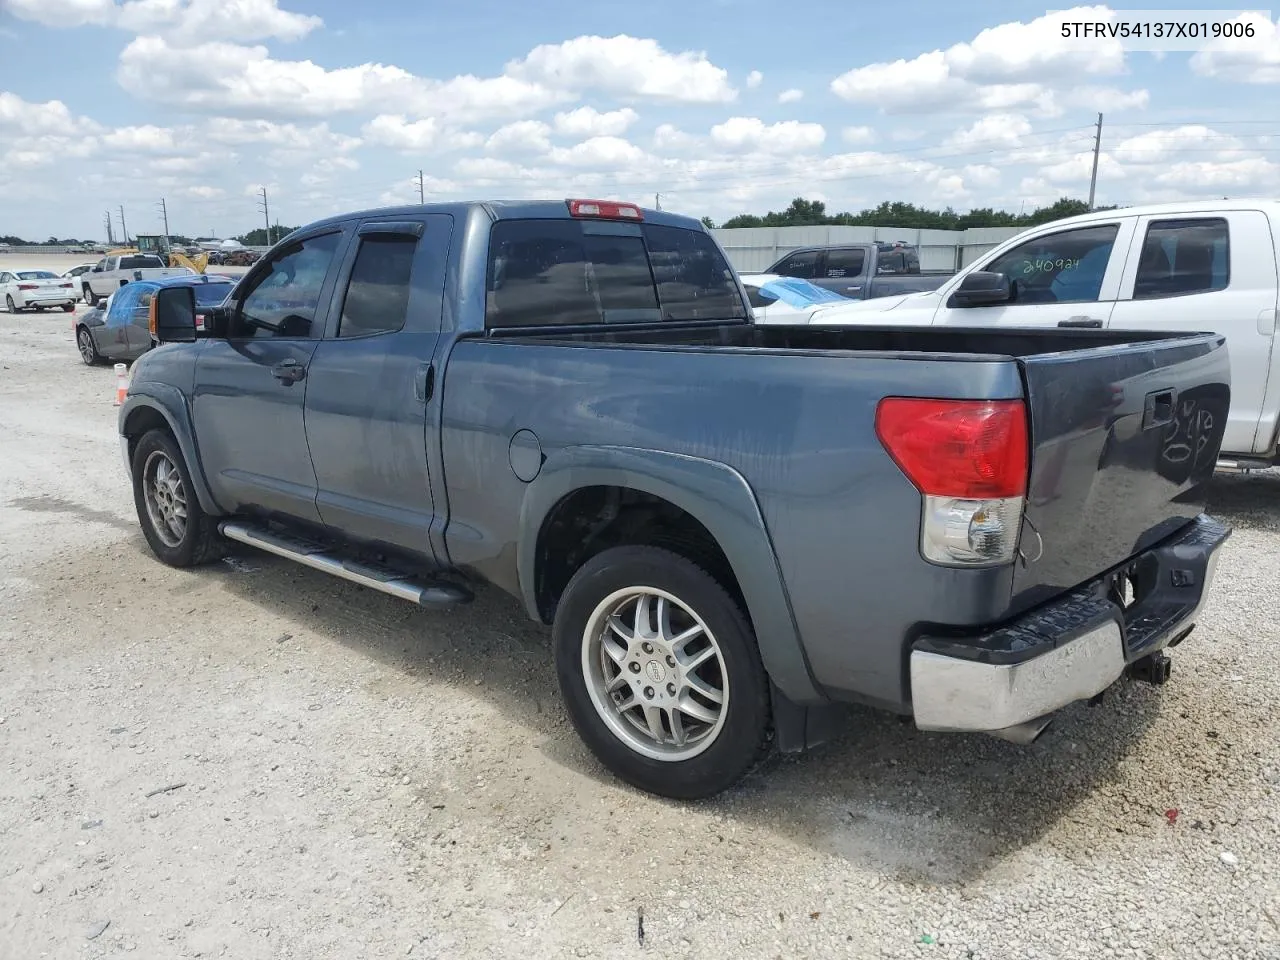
x: 352, y: 777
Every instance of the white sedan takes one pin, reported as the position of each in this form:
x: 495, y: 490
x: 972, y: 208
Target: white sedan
x: 75, y: 273
x: 37, y: 289
x: 777, y: 299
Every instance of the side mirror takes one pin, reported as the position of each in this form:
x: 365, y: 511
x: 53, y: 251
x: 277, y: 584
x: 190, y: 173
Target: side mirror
x: 982, y: 288
x: 173, y: 315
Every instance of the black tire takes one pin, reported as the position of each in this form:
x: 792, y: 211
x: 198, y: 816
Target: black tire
x: 90, y: 297
x: 9, y: 304
x: 200, y: 541
x: 68, y: 308
x: 39, y: 309
x: 745, y: 736
x: 88, y: 349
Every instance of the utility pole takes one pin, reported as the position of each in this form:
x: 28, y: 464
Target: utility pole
x: 657, y: 201
x: 164, y: 212
x: 106, y: 219
x: 123, y: 228
x: 421, y: 190
x: 1097, y: 147
x: 266, y: 216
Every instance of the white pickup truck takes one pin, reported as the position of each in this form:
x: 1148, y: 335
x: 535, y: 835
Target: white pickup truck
x: 1207, y: 266
x: 111, y: 273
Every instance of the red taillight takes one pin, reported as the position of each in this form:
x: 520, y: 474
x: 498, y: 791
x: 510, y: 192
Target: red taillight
x: 67, y: 285
x: 604, y: 210
x: 28, y: 286
x: 974, y: 449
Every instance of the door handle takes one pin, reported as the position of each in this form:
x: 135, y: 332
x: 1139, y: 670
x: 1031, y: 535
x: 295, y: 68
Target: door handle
x: 1157, y: 409
x: 1091, y: 323
x: 288, y: 371
x: 424, y: 382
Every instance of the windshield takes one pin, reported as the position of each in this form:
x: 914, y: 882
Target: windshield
x: 36, y: 275
x: 211, y: 294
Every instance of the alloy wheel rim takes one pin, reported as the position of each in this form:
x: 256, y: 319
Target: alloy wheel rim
x: 165, y: 498
x: 86, y: 346
x: 655, y: 673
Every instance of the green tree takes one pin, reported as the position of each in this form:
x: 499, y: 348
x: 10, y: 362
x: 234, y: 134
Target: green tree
x: 259, y: 237
x: 907, y: 216
x: 708, y: 223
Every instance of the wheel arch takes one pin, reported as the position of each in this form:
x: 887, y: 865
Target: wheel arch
x: 161, y: 406
x: 714, y: 496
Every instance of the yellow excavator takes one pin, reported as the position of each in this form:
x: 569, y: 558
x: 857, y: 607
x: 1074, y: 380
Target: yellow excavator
x: 159, y: 245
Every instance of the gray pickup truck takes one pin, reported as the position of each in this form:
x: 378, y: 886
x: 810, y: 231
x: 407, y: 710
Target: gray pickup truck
x: 732, y: 529
x: 861, y: 271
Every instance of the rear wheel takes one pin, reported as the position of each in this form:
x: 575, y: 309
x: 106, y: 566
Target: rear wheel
x: 9, y: 304
x: 179, y: 532
x: 68, y: 307
x: 660, y: 673
x: 90, y: 297
x: 39, y: 308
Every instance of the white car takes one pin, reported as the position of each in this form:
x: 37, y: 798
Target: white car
x: 36, y: 289
x: 778, y: 299
x: 74, y: 274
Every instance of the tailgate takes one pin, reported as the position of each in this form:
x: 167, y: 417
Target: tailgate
x: 1124, y: 440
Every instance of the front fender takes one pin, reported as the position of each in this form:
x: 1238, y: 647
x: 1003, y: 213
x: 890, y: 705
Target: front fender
x: 720, y: 499
x: 168, y: 401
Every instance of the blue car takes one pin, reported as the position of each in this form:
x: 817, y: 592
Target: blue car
x: 118, y: 329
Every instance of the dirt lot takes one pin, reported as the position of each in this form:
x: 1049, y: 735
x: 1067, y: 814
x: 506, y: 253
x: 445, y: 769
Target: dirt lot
x: 346, y: 776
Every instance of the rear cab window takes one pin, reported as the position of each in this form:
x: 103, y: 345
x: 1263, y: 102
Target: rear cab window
x: 1182, y: 257
x: 553, y: 272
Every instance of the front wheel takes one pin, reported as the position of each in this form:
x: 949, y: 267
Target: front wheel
x: 88, y: 349
x: 90, y: 297
x: 660, y: 673
x: 179, y: 532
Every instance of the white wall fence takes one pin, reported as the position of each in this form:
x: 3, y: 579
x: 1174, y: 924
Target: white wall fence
x: 752, y: 249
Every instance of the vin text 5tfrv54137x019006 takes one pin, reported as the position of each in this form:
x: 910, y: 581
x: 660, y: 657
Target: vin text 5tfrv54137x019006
x: 731, y: 528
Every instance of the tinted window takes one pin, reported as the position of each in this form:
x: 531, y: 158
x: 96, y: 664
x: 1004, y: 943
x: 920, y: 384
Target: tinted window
x: 211, y: 294
x: 760, y: 298
x: 140, y: 263
x: 377, y: 297
x: 694, y: 281
x: 549, y: 272
x: 1064, y: 267
x: 1181, y: 257
x: 283, y: 300
x: 845, y: 263
x: 802, y: 265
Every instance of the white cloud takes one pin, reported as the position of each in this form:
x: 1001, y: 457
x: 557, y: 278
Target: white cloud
x: 858, y: 135
x: 287, y: 136
x: 791, y: 96
x: 626, y: 67
x: 522, y: 136
x: 1254, y: 174
x: 669, y: 137
x: 1003, y: 66
x: 599, y: 152
x: 589, y: 122
x: 994, y: 130
x: 752, y: 133
x: 185, y: 20
x: 982, y: 175
x: 143, y: 139
x: 1158, y: 146
x: 754, y: 79
x: 399, y: 133
x: 230, y: 77
x: 1244, y: 60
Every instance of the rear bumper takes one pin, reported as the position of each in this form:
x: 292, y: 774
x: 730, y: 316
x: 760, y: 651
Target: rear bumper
x: 1069, y: 649
x: 44, y: 298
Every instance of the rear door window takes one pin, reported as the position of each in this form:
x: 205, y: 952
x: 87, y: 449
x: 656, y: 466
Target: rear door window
x: 847, y: 262
x: 377, y: 299
x: 552, y: 272
x: 1181, y: 257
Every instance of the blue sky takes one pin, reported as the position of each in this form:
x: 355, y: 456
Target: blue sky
x: 722, y: 106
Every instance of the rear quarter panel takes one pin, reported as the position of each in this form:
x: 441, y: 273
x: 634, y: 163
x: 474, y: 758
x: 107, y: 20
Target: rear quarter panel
x: 799, y: 427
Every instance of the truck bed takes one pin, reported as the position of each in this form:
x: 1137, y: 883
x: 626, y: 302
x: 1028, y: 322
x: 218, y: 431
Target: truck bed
x: 1118, y: 423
